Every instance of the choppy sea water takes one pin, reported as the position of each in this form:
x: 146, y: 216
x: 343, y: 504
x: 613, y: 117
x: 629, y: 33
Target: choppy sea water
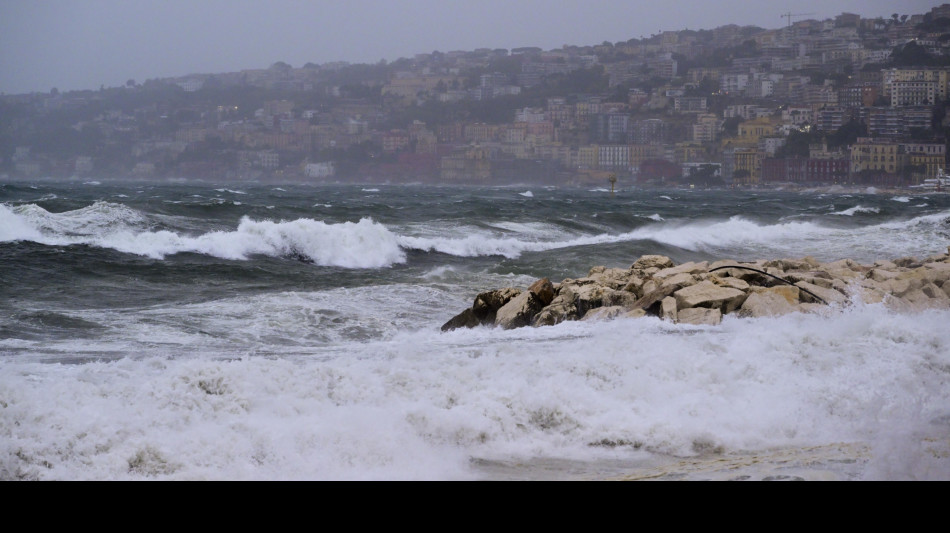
x: 170, y: 331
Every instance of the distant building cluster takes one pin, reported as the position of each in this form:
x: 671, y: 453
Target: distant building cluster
x: 843, y: 100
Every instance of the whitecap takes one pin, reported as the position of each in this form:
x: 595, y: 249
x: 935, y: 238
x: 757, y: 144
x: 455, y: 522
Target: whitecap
x: 364, y: 244
x: 857, y: 209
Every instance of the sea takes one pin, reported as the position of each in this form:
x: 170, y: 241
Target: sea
x: 202, y: 331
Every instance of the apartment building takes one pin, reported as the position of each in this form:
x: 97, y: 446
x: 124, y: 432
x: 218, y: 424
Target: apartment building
x: 875, y: 154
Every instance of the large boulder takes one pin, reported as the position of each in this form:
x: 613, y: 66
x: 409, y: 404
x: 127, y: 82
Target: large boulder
x: 650, y: 301
x: 732, y: 283
x: 543, y: 289
x: 830, y: 296
x: 652, y: 261
x: 484, y: 309
x: 561, y: 309
x: 668, y: 309
x: 488, y: 303
x: 465, y: 319
x: 614, y: 278
x: 687, y: 268
x: 773, y: 301
x: 587, y: 297
x: 519, y: 311
x: 709, y: 295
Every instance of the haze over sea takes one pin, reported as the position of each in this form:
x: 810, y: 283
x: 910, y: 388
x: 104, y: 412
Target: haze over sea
x: 201, y: 331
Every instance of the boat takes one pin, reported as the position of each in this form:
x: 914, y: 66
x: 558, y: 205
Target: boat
x: 939, y: 184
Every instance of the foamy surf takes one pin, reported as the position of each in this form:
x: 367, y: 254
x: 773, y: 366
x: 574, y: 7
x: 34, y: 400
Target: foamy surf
x: 117, y: 367
x: 853, y: 395
x: 363, y: 244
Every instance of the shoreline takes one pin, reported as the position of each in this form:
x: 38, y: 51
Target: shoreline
x: 817, y: 189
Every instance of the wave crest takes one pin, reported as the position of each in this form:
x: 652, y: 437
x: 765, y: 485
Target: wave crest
x: 363, y: 244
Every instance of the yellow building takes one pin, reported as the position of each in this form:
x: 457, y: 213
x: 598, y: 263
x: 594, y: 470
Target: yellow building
x: 471, y: 166
x: 926, y: 159
x: 875, y: 154
x: 641, y: 152
x: 747, y: 166
x: 690, y: 152
x: 751, y: 131
x: 588, y: 157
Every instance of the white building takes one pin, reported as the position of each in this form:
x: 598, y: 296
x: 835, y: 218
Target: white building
x: 319, y: 170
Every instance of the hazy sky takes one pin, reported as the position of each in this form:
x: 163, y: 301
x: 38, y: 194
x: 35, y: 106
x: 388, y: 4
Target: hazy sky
x: 82, y: 44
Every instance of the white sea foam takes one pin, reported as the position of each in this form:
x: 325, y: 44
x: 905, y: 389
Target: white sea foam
x: 232, y: 191
x: 14, y: 227
x: 656, y: 217
x: 364, y: 244
x: 510, y: 247
x: 527, y: 194
x: 422, y: 405
x: 919, y: 236
x: 857, y: 209
x: 96, y: 219
x: 903, y: 199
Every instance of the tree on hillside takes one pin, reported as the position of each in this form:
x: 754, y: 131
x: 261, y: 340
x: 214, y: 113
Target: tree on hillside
x: 847, y: 134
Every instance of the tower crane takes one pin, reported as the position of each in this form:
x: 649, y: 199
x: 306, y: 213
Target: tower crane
x: 789, y: 16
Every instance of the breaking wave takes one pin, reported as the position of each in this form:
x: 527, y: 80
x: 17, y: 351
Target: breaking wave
x: 857, y: 209
x: 363, y: 244
x: 921, y: 235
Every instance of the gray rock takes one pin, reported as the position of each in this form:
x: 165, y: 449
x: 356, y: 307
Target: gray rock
x: 830, y: 296
x: 543, y: 289
x: 488, y: 303
x: 709, y: 295
x: 687, y: 268
x: 652, y: 261
x: 465, y: 319
x: 767, y: 302
x: 668, y: 309
x: 519, y: 311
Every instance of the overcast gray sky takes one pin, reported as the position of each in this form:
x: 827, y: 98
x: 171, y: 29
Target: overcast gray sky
x: 82, y: 44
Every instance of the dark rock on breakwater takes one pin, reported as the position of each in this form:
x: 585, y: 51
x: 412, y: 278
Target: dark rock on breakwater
x: 701, y: 293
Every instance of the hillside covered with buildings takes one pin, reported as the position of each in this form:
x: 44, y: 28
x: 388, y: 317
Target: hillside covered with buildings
x: 848, y: 100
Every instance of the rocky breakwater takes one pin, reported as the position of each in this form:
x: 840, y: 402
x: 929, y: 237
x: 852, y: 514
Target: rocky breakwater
x: 701, y: 293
